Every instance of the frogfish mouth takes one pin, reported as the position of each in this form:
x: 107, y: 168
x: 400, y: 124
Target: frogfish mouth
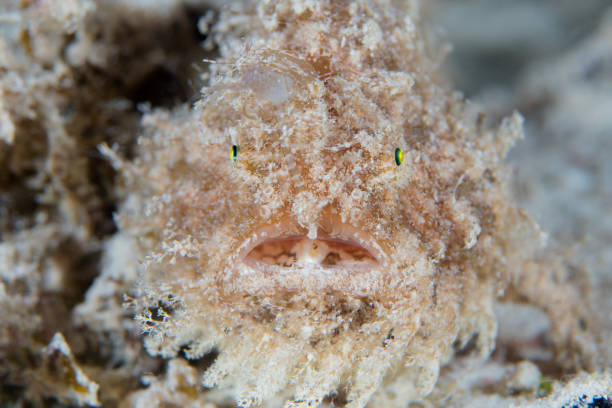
x: 284, y: 252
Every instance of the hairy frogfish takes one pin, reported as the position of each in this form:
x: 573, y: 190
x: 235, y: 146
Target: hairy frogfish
x: 329, y: 218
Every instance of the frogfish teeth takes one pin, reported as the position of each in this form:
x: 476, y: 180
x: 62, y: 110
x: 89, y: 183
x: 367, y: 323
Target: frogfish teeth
x: 329, y: 218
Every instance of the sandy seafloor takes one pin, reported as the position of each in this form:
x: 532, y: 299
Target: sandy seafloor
x: 549, y: 59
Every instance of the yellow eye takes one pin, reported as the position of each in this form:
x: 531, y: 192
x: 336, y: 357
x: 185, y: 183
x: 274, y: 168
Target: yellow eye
x: 399, y: 156
x: 234, y: 152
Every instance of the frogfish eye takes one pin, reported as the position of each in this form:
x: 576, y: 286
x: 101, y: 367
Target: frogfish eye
x: 234, y: 153
x: 399, y: 156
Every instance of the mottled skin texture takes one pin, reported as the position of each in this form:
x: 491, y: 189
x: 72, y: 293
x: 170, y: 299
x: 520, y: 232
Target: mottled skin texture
x: 317, y: 97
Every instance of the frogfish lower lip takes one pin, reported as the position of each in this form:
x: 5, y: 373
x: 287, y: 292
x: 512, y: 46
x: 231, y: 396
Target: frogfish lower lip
x: 345, y: 248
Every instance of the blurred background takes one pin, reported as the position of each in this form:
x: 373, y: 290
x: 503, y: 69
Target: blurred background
x: 552, y: 61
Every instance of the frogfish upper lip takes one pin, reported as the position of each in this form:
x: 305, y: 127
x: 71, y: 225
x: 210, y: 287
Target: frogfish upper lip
x: 340, y: 246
